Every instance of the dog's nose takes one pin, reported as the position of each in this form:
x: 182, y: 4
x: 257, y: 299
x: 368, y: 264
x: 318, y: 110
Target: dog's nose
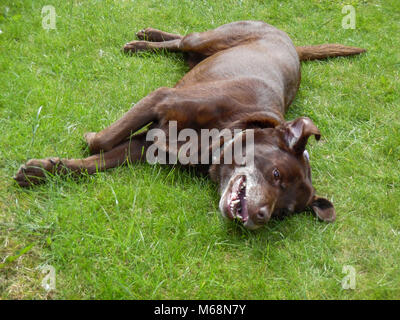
x: 263, y: 215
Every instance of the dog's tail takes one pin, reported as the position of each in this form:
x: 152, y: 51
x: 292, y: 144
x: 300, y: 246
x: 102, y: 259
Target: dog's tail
x: 326, y: 51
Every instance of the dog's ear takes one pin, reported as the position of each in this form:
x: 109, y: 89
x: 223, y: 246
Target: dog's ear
x: 324, y: 209
x: 298, y: 131
x: 261, y: 119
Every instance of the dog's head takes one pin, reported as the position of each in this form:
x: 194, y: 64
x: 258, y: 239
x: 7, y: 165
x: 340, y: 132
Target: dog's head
x: 277, y: 181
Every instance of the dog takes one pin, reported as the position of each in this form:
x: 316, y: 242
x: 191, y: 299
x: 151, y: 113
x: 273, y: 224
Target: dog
x: 243, y: 75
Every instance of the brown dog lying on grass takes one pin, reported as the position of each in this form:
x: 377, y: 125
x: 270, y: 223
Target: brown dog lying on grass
x: 244, y: 75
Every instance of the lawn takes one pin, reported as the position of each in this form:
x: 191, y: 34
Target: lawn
x: 153, y: 232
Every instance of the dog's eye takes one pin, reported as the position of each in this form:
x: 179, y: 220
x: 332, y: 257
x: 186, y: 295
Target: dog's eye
x: 276, y: 174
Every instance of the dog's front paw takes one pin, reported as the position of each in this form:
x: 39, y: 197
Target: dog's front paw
x: 89, y: 138
x: 34, y: 171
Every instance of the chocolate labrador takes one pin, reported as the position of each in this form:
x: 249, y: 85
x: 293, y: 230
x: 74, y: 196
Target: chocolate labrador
x: 244, y: 75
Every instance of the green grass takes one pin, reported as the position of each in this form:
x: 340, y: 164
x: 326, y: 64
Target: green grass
x: 143, y: 232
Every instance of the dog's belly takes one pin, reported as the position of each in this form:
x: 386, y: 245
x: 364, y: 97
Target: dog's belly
x: 273, y: 61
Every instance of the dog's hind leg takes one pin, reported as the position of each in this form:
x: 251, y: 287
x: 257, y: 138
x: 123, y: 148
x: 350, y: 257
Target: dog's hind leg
x: 198, y: 46
x: 35, y: 170
x: 155, y: 35
x: 137, y: 46
x: 191, y: 58
x: 205, y: 43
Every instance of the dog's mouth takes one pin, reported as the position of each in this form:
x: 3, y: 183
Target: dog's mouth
x: 237, y: 201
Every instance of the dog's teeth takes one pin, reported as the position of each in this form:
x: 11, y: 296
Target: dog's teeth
x: 235, y: 201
